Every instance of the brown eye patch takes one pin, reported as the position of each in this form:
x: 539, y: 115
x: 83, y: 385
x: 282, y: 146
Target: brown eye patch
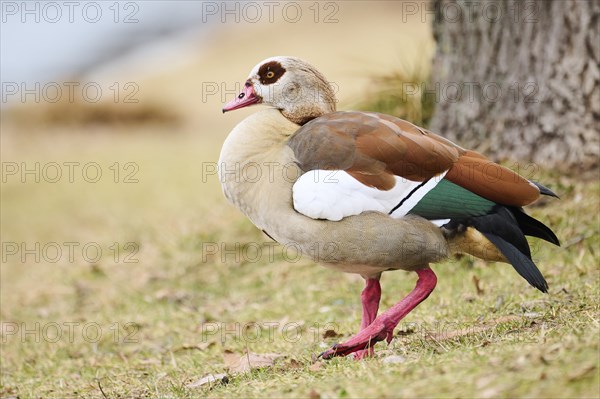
x: 270, y: 72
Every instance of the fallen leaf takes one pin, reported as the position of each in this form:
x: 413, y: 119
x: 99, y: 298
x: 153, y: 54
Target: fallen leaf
x: 582, y: 373
x: 314, y: 394
x: 237, y: 363
x: 209, y: 379
x: 468, y: 298
x: 394, y: 359
x: 477, y: 282
x: 406, y: 329
x: 330, y: 334
x: 202, y: 346
x: 316, y: 366
x: 294, y: 364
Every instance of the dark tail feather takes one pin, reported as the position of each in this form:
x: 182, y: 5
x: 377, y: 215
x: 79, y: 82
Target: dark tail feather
x: 504, y: 228
x: 545, y: 190
x: 522, y: 264
x: 533, y: 227
x: 502, y: 223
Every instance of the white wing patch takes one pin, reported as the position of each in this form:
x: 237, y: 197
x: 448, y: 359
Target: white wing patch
x: 334, y: 195
x: 440, y: 222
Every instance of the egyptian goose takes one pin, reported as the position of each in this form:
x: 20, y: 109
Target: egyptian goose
x: 364, y: 192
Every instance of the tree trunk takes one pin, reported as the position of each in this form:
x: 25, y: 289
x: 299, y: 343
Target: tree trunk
x: 519, y: 79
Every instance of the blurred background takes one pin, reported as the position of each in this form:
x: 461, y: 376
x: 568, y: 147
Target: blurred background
x: 111, y: 125
x: 111, y: 111
x: 143, y: 83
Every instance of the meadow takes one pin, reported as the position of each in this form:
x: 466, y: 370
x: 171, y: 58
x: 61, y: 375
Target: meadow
x: 183, y: 278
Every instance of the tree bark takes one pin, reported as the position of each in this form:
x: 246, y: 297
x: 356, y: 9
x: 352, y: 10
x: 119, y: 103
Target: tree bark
x: 519, y: 80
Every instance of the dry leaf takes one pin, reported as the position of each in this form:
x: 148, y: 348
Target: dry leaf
x: 406, y: 329
x: 582, y: 372
x: 316, y: 367
x: 330, y: 334
x: 394, y: 359
x: 294, y: 364
x: 477, y: 282
x: 202, y: 346
x: 314, y: 394
x: 468, y: 298
x: 237, y: 363
x: 209, y: 379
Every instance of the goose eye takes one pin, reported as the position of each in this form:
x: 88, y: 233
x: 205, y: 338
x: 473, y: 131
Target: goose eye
x: 270, y: 72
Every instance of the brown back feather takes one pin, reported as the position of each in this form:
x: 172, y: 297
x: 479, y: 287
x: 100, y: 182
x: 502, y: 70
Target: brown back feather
x: 374, y: 148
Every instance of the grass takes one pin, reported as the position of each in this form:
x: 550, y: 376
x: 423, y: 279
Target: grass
x: 184, y: 277
x: 404, y: 93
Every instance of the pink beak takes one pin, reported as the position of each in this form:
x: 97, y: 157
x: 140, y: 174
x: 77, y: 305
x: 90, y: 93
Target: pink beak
x: 245, y: 98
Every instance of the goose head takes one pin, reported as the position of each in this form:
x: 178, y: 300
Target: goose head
x: 289, y: 84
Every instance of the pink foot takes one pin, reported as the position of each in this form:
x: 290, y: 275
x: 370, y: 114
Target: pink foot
x: 363, y: 341
x: 382, y: 328
x: 370, y: 298
x: 364, y: 353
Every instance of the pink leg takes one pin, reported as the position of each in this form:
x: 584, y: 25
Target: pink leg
x: 370, y: 298
x: 382, y: 328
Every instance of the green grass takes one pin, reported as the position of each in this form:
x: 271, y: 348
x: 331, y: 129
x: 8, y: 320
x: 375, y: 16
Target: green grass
x: 404, y: 93
x: 507, y: 340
